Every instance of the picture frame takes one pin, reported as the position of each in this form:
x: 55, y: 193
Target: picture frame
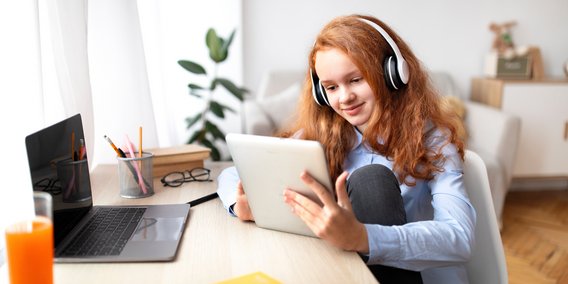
x: 518, y: 67
x: 526, y: 66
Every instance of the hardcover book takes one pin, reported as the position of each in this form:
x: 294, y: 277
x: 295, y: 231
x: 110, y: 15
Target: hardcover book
x: 178, y: 158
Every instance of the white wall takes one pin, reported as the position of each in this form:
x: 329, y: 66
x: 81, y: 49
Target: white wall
x: 446, y: 35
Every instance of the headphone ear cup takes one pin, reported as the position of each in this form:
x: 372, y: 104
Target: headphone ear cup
x: 391, y: 75
x: 317, y: 90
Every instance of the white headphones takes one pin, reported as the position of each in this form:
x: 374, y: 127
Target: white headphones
x: 395, y: 69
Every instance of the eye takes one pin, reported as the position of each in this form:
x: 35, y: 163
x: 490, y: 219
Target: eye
x: 330, y: 88
x: 356, y: 79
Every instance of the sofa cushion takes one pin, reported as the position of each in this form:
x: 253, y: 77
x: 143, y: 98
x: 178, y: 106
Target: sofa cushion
x: 280, y: 108
x: 455, y: 106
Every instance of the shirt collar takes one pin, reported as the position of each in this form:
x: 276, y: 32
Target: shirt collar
x: 358, y: 137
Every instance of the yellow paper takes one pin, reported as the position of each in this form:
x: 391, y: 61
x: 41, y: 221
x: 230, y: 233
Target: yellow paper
x: 253, y: 278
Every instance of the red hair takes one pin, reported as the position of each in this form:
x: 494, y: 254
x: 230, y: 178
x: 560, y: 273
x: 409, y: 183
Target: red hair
x: 400, y: 125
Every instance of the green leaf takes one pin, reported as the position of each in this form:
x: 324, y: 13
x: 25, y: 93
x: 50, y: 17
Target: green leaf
x: 225, y: 44
x: 229, y: 40
x: 215, y: 106
x: 192, y: 120
x: 214, y: 43
x: 195, y: 94
x: 195, y: 137
x: 192, y: 67
x: 195, y: 87
x: 194, y: 90
x: 215, y: 154
x: 217, y: 109
x: 211, y: 38
x: 215, y: 131
x: 232, y: 88
x: 213, y: 85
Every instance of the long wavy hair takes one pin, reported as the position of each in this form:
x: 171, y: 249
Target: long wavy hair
x: 403, y: 119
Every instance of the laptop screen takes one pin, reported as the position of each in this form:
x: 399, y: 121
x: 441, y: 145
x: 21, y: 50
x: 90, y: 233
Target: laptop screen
x: 58, y: 165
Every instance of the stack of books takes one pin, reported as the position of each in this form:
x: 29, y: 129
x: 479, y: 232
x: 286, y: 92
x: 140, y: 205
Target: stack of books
x: 178, y: 158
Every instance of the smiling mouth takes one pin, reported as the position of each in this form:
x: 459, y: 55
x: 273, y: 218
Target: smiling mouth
x: 353, y: 109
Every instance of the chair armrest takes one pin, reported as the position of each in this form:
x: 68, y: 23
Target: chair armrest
x: 494, y: 132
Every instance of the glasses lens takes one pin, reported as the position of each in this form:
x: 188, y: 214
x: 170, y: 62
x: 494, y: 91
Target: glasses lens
x: 200, y: 174
x: 174, y: 179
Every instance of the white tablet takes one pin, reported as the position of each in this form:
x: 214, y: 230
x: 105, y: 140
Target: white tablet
x: 266, y: 166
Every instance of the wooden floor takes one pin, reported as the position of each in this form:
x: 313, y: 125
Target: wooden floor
x: 535, y: 236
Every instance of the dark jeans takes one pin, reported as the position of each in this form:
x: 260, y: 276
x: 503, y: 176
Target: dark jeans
x: 375, y: 195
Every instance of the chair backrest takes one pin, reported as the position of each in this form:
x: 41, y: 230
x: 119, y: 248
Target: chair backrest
x: 276, y: 81
x: 487, y: 263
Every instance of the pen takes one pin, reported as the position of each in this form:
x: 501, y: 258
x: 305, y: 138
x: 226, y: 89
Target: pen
x: 203, y: 199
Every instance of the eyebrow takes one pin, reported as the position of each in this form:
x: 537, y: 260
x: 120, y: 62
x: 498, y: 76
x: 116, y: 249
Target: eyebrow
x: 348, y: 75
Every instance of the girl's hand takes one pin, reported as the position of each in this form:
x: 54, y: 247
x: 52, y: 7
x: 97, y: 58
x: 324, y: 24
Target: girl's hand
x: 334, y: 221
x: 241, y: 207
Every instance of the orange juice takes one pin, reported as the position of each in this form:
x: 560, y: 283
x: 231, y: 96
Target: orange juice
x: 29, y: 247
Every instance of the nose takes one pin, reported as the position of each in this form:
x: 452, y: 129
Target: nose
x: 345, y: 95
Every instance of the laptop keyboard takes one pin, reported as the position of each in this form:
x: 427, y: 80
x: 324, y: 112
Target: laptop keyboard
x: 106, y: 233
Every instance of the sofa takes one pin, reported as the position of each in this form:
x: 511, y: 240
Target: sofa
x: 492, y: 133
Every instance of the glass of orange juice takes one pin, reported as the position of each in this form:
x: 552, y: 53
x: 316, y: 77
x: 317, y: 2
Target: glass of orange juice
x: 29, y: 245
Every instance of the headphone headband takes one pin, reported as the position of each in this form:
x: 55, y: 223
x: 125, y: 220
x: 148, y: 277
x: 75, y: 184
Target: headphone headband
x: 402, y: 66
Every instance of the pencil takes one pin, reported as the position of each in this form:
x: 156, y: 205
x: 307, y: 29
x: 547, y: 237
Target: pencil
x: 82, y: 150
x: 140, y: 141
x: 73, y: 154
x: 118, y: 151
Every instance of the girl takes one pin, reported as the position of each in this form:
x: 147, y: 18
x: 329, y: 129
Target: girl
x: 394, y: 154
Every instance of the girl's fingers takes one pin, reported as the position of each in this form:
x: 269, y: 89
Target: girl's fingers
x: 300, y: 202
x: 322, y: 193
x: 341, y: 191
x: 240, y: 190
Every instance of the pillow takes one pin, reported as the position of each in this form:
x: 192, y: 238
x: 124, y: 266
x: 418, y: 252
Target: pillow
x: 280, y: 108
x: 454, y: 106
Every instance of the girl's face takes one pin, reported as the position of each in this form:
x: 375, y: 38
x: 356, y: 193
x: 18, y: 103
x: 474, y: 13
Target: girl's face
x: 347, y: 91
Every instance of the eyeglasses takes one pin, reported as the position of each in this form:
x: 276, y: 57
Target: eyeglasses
x: 50, y: 185
x: 175, y: 179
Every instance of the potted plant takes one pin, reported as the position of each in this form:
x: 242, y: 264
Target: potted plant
x: 208, y: 132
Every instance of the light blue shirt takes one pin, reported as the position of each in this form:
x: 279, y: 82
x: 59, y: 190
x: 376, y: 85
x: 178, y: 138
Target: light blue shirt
x: 438, y: 237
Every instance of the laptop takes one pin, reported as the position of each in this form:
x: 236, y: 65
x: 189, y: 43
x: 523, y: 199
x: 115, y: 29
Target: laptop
x: 86, y: 233
x: 266, y: 166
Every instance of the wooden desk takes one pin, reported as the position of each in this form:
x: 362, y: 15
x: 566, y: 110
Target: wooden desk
x: 216, y: 246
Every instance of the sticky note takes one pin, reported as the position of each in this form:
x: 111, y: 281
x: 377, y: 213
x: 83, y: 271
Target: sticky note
x: 252, y: 278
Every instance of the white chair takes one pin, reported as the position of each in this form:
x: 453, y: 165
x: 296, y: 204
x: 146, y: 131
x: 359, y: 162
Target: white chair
x: 487, y: 263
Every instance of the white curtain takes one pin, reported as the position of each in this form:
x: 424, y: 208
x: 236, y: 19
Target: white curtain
x: 113, y: 61
x: 121, y: 96
x: 21, y: 107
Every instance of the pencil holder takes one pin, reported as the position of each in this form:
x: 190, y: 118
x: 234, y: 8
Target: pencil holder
x: 135, y: 175
x: 74, y: 180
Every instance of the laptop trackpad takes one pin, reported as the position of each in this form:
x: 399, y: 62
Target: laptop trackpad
x: 158, y: 229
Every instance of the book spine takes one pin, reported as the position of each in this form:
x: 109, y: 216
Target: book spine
x: 176, y: 159
x: 161, y: 170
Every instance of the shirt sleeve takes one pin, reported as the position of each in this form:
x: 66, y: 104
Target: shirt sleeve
x: 227, y: 188
x: 444, y: 240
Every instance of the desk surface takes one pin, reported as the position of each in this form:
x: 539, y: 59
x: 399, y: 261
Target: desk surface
x: 216, y: 246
